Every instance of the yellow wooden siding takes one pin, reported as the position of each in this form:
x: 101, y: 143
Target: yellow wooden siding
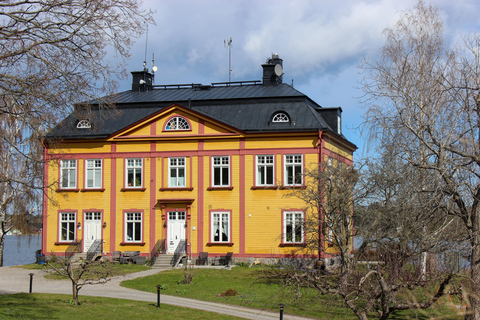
x: 210, y: 128
x: 177, y: 145
x: 338, y: 149
x: 279, y: 142
x: 87, y: 147
x: 139, y: 146
x: 219, y: 144
x: 143, y: 130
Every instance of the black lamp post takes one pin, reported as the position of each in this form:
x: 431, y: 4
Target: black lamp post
x: 158, y: 295
x: 281, y: 305
x: 31, y: 281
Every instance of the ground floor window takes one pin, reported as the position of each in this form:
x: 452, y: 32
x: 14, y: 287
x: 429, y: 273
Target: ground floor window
x: 67, y: 226
x: 220, y: 226
x: 293, y: 227
x: 133, y: 227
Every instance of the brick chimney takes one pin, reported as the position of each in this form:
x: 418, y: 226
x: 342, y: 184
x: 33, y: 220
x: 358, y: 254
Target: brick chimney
x: 141, y: 80
x: 273, y: 71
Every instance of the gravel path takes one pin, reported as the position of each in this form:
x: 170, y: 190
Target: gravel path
x: 15, y: 279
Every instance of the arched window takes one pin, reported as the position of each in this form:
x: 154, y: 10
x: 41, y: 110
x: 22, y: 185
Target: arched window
x: 177, y: 123
x: 83, y: 124
x: 280, y: 117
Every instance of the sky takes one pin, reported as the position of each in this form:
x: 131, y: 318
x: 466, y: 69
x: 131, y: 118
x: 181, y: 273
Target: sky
x: 322, y: 44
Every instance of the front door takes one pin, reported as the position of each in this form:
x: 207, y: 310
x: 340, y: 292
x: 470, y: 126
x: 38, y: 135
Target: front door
x: 92, y: 229
x: 175, y: 229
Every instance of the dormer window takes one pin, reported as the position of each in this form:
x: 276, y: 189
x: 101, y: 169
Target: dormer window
x: 280, y: 117
x: 83, y: 124
x: 177, y: 123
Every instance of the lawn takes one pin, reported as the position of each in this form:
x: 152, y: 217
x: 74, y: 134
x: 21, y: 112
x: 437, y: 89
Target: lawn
x: 211, y: 284
x: 56, y: 306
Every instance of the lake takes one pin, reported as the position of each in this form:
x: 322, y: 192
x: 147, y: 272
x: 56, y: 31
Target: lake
x: 21, y: 249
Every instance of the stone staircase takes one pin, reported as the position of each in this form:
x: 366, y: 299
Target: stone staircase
x: 77, y: 257
x: 164, y: 261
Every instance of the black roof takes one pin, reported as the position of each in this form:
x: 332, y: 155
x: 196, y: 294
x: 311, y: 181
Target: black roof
x: 246, y: 106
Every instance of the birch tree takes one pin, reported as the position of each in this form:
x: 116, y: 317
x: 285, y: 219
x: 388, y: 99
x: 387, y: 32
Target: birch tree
x: 424, y: 96
x: 53, y: 54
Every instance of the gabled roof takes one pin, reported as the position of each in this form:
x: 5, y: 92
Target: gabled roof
x: 246, y: 106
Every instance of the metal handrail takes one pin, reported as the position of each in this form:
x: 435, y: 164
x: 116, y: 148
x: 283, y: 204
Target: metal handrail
x: 157, y: 249
x: 179, y: 252
x: 95, y: 249
x: 73, y: 248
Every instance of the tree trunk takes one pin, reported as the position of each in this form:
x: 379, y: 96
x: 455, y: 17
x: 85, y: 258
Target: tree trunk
x: 2, y: 245
x: 75, y: 293
x: 475, y: 275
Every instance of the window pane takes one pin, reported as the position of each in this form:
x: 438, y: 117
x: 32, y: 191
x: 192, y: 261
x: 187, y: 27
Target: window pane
x: 289, y: 175
x: 98, y: 178
x: 269, y: 175
x: 129, y: 231
x: 216, y: 176
x: 216, y: 227
x: 138, y: 231
x: 225, y: 176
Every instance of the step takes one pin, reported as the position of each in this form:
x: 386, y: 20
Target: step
x: 163, y: 261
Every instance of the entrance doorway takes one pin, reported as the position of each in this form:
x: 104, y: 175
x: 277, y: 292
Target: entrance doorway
x: 92, y: 229
x: 175, y: 229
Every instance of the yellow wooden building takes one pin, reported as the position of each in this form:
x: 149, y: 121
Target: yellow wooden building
x: 194, y: 168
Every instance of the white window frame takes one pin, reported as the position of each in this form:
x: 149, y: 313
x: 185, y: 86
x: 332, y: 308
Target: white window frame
x: 221, y: 171
x: 133, y: 227
x: 177, y: 123
x: 220, y: 227
x: 136, y: 167
x: 83, y: 124
x: 293, y: 169
x: 68, y: 174
x: 176, y: 166
x: 68, y: 223
x: 263, y: 164
x: 281, y: 117
x: 295, y: 220
x: 93, y: 167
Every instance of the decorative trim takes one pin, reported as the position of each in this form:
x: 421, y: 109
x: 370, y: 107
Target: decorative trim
x: 300, y: 244
x: 177, y: 189
x: 292, y: 187
x: 132, y: 243
x: 227, y: 244
x: 67, y: 190
x: 264, y: 187
x: 219, y: 188
x: 92, y: 189
x: 133, y: 189
x: 63, y: 243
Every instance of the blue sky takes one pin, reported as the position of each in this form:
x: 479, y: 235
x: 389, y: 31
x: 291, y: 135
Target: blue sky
x: 321, y: 42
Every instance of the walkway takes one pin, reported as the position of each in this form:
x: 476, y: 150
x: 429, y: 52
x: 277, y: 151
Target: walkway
x: 15, y: 279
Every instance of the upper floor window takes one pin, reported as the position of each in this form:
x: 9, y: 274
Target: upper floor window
x: 134, y: 169
x: 68, y: 174
x: 83, y: 124
x: 265, y: 170
x: 221, y: 171
x: 293, y: 170
x: 176, y: 172
x: 93, y: 176
x: 280, y: 117
x: 177, y: 123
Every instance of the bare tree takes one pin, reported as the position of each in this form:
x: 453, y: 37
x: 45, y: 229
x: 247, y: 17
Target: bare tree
x: 424, y: 96
x: 52, y: 56
x: 397, y: 227
x: 84, y: 272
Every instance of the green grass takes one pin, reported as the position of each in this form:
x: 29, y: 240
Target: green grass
x: 209, y: 284
x: 55, y: 306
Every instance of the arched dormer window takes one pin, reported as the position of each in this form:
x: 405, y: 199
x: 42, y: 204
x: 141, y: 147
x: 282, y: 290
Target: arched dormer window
x: 177, y: 123
x: 280, y: 117
x: 84, y: 124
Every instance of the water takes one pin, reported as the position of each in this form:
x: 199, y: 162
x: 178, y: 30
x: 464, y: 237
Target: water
x: 20, y: 249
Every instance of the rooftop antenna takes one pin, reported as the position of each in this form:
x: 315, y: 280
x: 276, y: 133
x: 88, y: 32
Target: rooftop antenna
x: 228, y: 43
x: 145, y: 60
x: 154, y: 68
